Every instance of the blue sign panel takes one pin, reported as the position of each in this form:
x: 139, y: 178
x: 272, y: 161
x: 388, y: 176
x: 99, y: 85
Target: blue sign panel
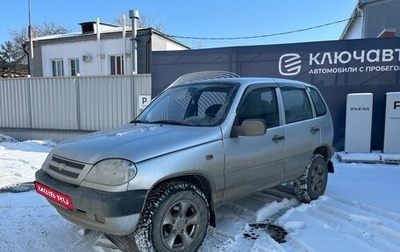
x: 337, y: 68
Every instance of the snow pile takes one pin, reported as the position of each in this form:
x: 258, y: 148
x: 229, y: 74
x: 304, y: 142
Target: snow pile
x: 360, y: 212
x: 4, y: 138
x: 20, y: 160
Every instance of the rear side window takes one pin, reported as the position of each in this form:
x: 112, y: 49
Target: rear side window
x: 297, y: 105
x: 319, y: 104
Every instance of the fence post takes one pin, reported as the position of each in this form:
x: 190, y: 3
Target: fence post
x: 29, y: 86
x: 78, y: 102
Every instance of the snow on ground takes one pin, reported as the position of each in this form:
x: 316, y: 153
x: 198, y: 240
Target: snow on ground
x: 359, y: 212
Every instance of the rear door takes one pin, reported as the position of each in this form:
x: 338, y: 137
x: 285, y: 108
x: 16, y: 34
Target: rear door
x: 302, y: 130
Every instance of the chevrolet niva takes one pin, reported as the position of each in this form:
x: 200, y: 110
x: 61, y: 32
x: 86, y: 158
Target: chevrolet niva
x: 199, y: 144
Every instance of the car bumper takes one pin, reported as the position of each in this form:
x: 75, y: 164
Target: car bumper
x: 109, y: 212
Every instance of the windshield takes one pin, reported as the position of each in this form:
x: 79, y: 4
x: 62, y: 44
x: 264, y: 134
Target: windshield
x: 196, y: 104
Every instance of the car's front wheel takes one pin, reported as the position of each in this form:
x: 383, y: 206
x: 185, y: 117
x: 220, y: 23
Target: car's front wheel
x: 312, y: 183
x: 175, y: 218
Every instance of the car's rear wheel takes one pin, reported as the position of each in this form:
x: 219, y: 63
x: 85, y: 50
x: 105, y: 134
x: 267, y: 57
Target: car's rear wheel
x: 312, y: 183
x: 175, y: 218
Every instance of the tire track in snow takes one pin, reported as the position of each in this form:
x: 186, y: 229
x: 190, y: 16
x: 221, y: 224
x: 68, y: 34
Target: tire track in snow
x: 87, y: 240
x: 378, y: 211
x: 372, y: 221
x: 295, y: 244
x: 261, y: 207
x: 364, y: 226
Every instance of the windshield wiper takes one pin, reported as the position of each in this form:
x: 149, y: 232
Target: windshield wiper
x: 172, y: 122
x: 138, y: 121
x: 167, y: 122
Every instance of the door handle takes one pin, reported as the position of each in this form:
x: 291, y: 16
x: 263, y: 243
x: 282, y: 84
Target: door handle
x: 314, y: 130
x: 277, y: 138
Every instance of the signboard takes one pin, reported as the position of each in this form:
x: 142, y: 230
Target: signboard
x: 358, y: 123
x: 392, y: 123
x: 143, y: 101
x: 337, y: 68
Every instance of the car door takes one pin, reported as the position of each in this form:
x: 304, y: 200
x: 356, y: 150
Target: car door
x: 255, y: 162
x: 302, y: 130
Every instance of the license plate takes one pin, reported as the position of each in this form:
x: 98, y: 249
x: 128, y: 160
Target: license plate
x: 53, y: 195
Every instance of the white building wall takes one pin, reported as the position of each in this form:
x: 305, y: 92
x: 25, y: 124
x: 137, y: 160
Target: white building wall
x: 161, y: 44
x: 355, y: 31
x: 99, y: 63
x: 113, y: 47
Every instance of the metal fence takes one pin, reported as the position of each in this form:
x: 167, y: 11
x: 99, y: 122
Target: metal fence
x: 70, y: 104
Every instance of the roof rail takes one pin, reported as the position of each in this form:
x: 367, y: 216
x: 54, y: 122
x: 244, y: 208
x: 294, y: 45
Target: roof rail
x: 203, y: 75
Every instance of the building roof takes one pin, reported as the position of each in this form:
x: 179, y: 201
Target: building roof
x: 104, y: 29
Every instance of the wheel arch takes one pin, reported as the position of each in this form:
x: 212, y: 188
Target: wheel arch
x: 327, y: 153
x: 203, y: 184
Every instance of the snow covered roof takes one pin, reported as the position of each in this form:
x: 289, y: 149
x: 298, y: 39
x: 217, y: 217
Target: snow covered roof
x: 104, y: 29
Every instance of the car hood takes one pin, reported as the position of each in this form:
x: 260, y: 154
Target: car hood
x: 135, y: 142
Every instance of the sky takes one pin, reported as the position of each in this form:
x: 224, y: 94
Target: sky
x: 188, y: 18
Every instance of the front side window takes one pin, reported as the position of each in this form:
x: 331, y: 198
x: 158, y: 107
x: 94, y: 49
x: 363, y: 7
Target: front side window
x: 57, y: 66
x: 297, y: 105
x: 117, y: 65
x: 74, y: 66
x: 194, y: 105
x: 260, y: 104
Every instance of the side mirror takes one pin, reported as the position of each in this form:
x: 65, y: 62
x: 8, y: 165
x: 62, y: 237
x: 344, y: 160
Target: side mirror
x: 252, y: 127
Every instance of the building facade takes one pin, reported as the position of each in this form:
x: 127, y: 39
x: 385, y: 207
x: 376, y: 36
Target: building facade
x: 373, y: 19
x: 99, y: 49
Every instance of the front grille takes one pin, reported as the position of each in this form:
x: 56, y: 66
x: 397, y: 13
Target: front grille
x: 63, y: 168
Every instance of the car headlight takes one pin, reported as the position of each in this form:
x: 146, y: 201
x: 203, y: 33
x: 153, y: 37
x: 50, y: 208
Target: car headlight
x: 112, y: 172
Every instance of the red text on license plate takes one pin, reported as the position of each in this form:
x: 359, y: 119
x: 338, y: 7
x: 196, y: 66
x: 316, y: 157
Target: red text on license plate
x: 53, y: 195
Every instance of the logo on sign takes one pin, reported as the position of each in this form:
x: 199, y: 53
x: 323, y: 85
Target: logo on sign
x: 396, y: 105
x: 289, y: 64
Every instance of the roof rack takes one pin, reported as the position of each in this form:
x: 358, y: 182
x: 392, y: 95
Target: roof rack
x: 203, y: 75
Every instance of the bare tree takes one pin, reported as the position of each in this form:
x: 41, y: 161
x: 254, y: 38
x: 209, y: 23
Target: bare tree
x: 144, y: 21
x: 20, y: 37
x: 49, y: 29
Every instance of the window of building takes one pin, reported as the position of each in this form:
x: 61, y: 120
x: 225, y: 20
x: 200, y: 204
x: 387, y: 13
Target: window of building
x: 117, y: 65
x: 74, y: 67
x: 57, y: 66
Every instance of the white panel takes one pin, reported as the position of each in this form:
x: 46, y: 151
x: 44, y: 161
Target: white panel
x: 392, y: 123
x: 70, y: 103
x: 14, y: 103
x: 54, y: 103
x: 105, y: 102
x: 358, y: 122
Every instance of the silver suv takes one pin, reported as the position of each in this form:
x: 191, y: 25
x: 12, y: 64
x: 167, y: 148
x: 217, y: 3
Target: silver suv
x: 197, y: 145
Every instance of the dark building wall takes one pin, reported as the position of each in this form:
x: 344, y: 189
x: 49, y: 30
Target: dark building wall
x: 143, y: 52
x: 337, y: 68
x: 381, y: 15
x: 35, y: 64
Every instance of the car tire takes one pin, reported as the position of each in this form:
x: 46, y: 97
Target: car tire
x: 175, y: 218
x: 312, y: 183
